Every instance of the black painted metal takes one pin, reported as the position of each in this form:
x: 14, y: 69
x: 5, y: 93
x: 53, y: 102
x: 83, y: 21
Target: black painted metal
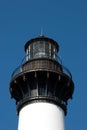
x: 41, y: 80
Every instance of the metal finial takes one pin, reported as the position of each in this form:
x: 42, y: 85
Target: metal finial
x: 41, y: 35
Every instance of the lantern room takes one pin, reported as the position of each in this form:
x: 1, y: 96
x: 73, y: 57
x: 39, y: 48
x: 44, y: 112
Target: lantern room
x: 41, y: 47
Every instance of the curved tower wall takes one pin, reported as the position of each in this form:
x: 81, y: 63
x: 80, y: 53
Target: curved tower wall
x: 41, y: 116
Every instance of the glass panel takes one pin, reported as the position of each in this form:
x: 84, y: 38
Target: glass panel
x: 38, y: 49
x: 31, y: 51
x: 50, y: 50
x: 53, y: 52
x: 27, y: 57
x: 47, y: 49
x: 41, y: 49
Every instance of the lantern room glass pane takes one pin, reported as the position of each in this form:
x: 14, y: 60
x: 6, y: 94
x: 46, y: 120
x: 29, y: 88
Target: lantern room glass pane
x: 41, y: 49
x: 38, y: 49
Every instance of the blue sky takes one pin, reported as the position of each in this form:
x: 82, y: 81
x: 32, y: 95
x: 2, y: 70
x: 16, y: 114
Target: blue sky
x: 63, y: 20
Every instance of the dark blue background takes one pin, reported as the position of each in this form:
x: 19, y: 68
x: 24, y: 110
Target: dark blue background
x: 63, y: 20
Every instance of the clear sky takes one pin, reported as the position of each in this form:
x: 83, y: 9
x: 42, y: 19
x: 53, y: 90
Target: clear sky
x: 63, y: 20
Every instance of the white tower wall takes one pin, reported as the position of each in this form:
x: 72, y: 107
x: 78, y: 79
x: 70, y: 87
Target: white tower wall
x: 41, y: 116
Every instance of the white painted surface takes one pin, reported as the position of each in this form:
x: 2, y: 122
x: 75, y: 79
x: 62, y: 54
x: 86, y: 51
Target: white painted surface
x: 41, y: 116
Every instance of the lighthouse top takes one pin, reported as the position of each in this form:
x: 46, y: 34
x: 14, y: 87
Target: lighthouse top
x: 41, y: 47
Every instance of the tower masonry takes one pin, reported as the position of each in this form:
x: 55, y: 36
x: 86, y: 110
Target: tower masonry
x: 41, y: 86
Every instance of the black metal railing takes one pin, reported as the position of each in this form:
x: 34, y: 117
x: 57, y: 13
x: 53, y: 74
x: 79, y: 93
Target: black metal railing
x: 56, y: 58
x: 19, y: 69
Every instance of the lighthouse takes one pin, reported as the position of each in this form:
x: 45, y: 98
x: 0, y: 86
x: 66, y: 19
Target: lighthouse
x: 41, y: 86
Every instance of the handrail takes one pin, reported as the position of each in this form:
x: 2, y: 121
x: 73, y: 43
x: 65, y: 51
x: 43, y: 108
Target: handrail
x: 57, y: 58
x: 18, y: 70
x: 66, y: 71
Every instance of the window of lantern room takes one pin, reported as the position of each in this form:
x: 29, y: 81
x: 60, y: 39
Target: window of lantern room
x: 53, y: 52
x: 38, y: 49
x: 29, y: 54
